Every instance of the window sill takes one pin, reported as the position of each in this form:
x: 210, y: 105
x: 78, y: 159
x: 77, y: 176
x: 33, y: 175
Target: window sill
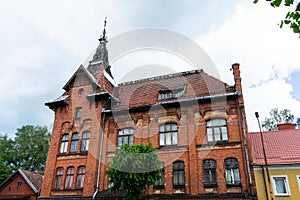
x: 210, y: 185
x: 158, y: 186
x: 178, y: 186
x: 234, y: 185
x: 73, y: 153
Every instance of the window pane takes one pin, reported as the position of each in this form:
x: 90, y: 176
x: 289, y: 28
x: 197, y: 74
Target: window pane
x: 217, y: 134
x: 161, y: 128
x: 168, y: 127
x: 175, y: 178
x: 174, y: 138
x: 224, y: 133
x: 236, y: 176
x: 174, y: 127
x: 125, y: 140
x: 131, y: 139
x: 168, y: 138
x: 162, y: 139
x: 209, y: 135
x: 280, y: 185
x: 120, y: 143
x: 181, y: 178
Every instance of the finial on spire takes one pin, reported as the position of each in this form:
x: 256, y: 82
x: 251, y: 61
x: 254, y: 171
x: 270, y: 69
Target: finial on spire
x: 103, y: 36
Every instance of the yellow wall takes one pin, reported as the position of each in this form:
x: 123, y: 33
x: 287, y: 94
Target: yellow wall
x: 290, y: 171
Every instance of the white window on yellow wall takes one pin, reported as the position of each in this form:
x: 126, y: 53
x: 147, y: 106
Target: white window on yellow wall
x: 281, y: 185
x: 298, y: 181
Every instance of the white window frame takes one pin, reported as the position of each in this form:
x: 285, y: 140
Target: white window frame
x: 288, y: 193
x: 298, y: 181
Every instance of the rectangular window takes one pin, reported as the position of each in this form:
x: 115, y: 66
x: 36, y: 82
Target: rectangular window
x: 281, y: 185
x: 168, y: 134
x: 125, y: 136
x: 298, y: 181
x: 69, y: 178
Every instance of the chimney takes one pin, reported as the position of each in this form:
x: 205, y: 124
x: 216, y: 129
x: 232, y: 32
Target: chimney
x: 286, y: 126
x: 237, y: 77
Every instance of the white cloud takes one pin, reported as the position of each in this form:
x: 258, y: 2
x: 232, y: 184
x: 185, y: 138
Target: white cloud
x: 267, y: 54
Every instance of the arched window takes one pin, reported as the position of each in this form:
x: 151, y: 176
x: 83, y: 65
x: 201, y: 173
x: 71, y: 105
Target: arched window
x: 209, y: 171
x: 125, y: 136
x: 85, y: 141
x: 58, y: 177
x: 80, y: 177
x: 178, y: 174
x: 216, y: 130
x: 74, y: 143
x: 232, y: 171
x: 69, y: 177
x: 78, y: 113
x: 168, y: 134
x: 64, y: 143
x: 161, y: 182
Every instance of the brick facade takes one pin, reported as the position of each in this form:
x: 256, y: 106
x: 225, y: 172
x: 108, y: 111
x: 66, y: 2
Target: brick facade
x: 188, y: 100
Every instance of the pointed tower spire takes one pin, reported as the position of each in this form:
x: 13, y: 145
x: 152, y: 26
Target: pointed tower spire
x: 103, y: 37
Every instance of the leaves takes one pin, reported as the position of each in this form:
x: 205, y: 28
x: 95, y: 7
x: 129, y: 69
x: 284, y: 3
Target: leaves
x: 134, y: 168
x: 292, y: 18
x: 28, y: 150
x: 277, y: 117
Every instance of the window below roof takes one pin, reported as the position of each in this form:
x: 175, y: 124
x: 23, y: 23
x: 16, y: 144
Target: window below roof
x: 171, y: 94
x: 281, y: 185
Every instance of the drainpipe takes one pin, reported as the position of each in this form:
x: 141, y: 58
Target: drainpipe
x: 265, y: 183
x: 100, y: 154
x: 246, y: 150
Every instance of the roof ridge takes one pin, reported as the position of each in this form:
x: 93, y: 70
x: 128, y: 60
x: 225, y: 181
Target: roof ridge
x: 163, y: 76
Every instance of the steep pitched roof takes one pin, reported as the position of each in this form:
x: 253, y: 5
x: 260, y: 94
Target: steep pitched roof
x: 282, y: 147
x: 86, y: 72
x: 33, y: 179
x: 145, y: 91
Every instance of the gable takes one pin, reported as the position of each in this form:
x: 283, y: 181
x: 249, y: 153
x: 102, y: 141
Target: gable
x: 80, y: 78
x: 16, y: 185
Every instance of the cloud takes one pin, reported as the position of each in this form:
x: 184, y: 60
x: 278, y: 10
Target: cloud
x: 268, y: 56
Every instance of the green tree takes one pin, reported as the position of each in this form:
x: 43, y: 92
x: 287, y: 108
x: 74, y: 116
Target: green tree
x: 277, y: 117
x: 5, y: 171
x: 7, y: 151
x: 292, y: 18
x: 133, y: 169
x: 31, y: 147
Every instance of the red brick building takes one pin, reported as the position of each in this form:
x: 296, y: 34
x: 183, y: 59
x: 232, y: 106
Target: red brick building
x: 196, y: 122
x: 22, y: 184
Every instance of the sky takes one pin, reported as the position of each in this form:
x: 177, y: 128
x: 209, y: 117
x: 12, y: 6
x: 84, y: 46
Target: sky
x: 44, y: 42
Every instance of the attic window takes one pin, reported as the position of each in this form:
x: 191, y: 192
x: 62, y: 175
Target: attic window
x: 171, y: 94
x: 19, y: 184
x: 81, y: 91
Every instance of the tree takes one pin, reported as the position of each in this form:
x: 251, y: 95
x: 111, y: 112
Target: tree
x: 31, y: 147
x: 133, y: 169
x: 5, y: 171
x: 28, y: 150
x: 277, y: 117
x: 292, y: 18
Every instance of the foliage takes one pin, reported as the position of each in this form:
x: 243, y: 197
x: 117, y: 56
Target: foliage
x: 28, y: 150
x: 292, y: 18
x: 133, y: 169
x: 5, y: 171
x: 277, y: 117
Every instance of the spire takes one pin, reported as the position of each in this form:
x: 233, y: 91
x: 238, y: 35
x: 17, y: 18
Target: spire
x: 103, y: 37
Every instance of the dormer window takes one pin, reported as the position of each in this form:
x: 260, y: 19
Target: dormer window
x: 171, y: 93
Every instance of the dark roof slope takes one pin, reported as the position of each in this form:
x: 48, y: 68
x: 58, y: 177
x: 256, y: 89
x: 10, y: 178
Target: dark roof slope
x: 145, y: 92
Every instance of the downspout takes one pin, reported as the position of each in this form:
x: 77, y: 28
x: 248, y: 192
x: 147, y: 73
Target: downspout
x: 265, y: 183
x: 246, y: 150
x: 100, y: 154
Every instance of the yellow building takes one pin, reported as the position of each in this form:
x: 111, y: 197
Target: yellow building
x: 278, y: 176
